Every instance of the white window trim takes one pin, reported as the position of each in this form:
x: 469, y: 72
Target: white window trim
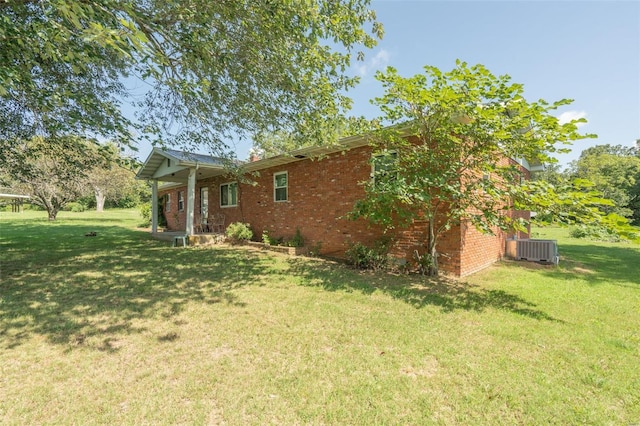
x: 280, y: 187
x: 202, y: 203
x: 167, y: 203
x: 228, y: 184
x: 180, y: 201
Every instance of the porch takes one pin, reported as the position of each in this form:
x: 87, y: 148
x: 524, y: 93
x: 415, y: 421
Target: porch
x: 178, y: 167
x: 210, y: 238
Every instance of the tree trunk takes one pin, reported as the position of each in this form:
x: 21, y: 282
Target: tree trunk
x: 432, y: 270
x: 100, y: 198
x: 52, y: 212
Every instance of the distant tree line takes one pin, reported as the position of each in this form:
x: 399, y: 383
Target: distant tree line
x: 72, y: 170
x: 613, y: 170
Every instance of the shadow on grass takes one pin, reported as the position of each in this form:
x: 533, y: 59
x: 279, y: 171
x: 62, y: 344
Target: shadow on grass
x: 69, y: 288
x: 599, y: 264
x: 418, y: 291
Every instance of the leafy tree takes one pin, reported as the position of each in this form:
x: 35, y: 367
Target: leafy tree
x: 550, y: 173
x: 615, y: 171
x: 273, y: 143
x: 567, y: 201
x: 447, y: 158
x: 59, y: 71
x: 112, y: 179
x: 214, y: 68
x: 54, y: 174
x: 268, y: 144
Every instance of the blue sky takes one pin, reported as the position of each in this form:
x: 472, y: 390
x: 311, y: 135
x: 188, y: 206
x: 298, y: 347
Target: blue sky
x: 587, y: 51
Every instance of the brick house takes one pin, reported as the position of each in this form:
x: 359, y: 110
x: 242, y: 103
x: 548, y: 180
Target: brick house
x: 312, y: 189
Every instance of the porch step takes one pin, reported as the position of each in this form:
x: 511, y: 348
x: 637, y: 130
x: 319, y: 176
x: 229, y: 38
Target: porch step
x: 180, y: 241
x: 206, y: 239
x: 192, y: 240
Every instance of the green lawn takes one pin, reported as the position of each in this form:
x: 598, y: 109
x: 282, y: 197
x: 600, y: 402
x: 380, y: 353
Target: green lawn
x: 122, y: 329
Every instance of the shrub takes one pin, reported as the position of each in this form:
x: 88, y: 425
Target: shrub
x: 145, y: 212
x: 315, y: 249
x: 272, y: 241
x: 595, y: 233
x: 238, y: 231
x: 75, y: 207
x: 34, y: 207
x: 363, y: 257
x: 424, y: 262
x: 297, y: 240
x: 266, y: 239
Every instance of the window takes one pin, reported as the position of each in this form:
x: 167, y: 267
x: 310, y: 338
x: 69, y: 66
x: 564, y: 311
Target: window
x: 384, y: 167
x: 180, y: 201
x: 229, y: 194
x: 167, y: 202
x: 280, y: 186
x: 204, y: 202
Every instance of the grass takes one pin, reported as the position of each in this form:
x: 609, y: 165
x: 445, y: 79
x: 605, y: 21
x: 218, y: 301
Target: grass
x: 120, y: 328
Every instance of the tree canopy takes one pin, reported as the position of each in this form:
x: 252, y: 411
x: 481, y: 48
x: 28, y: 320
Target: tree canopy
x: 213, y: 68
x: 267, y: 144
x: 113, y: 180
x: 53, y: 172
x: 615, y: 172
x: 454, y: 150
x: 56, y: 173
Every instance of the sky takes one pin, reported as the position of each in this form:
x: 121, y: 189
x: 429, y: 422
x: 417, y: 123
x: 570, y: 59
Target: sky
x: 588, y: 51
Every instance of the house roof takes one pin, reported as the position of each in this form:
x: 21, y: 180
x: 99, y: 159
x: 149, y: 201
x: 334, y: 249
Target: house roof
x: 177, y: 169
x: 197, y: 158
x: 308, y: 152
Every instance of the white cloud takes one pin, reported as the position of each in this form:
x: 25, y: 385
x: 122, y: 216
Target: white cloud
x: 380, y: 60
x: 567, y: 116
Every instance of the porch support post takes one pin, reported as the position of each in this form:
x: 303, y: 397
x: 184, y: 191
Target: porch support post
x: 154, y: 206
x: 191, y: 196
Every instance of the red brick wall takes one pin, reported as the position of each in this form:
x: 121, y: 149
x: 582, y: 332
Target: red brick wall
x: 175, y: 218
x: 320, y: 194
x: 481, y: 250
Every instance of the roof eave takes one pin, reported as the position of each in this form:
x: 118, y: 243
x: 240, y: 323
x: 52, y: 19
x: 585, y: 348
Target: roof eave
x: 307, y: 152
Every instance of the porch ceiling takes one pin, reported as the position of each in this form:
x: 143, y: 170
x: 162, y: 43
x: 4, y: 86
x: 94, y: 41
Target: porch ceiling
x: 182, y: 174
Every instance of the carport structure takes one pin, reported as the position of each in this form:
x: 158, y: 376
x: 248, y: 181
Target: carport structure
x: 17, y: 200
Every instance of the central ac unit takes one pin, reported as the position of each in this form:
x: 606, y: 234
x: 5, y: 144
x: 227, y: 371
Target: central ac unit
x: 534, y: 250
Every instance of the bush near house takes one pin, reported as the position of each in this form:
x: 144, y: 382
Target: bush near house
x: 375, y: 258
x: 238, y: 232
x: 296, y: 241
